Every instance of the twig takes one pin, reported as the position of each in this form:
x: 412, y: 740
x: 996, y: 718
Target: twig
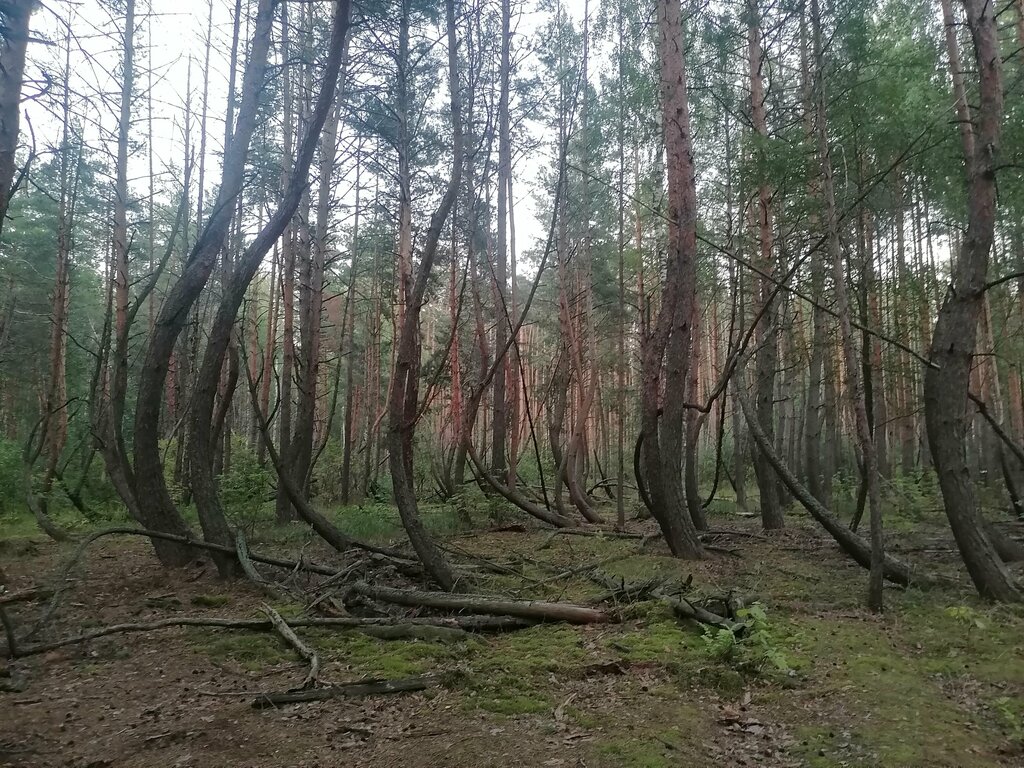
x: 25, y: 595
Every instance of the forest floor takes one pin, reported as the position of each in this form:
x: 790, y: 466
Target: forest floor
x: 937, y: 680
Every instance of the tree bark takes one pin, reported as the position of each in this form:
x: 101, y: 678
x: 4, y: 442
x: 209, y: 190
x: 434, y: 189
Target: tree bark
x: 208, y: 504
x: 767, y: 356
x: 662, y: 467
x: 947, y: 380
x: 13, y: 44
x: 403, y: 402
x: 160, y: 511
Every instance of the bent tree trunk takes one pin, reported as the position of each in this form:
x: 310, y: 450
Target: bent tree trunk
x: 851, y: 543
x: 947, y: 380
x: 662, y: 467
x: 208, y: 505
x: 403, y: 403
x: 160, y: 511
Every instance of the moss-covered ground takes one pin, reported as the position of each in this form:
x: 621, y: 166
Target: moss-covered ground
x: 936, y: 680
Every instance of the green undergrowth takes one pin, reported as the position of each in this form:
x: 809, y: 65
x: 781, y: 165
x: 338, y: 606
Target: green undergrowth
x: 928, y: 684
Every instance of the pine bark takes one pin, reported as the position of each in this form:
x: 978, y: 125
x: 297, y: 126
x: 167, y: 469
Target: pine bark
x: 954, y: 339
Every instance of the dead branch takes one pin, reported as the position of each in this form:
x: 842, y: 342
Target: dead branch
x: 603, y: 532
x: 26, y: 595
x: 630, y: 591
x: 63, y: 582
x: 266, y: 587
x: 308, y: 654
x: 686, y: 610
x: 376, y: 627
x: 348, y: 690
x: 495, y: 606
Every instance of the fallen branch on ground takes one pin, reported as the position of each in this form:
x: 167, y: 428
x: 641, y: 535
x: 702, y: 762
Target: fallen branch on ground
x: 26, y: 595
x: 452, y: 628
x: 63, y: 583
x: 631, y: 591
x: 308, y: 654
x: 684, y: 609
x: 348, y: 690
x: 271, y: 590
x: 602, y: 532
x: 494, y: 606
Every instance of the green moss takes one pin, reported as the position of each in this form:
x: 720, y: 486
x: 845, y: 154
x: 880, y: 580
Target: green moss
x: 634, y: 753
x: 511, y: 705
x: 384, y: 658
x: 897, y: 714
x: 657, y: 641
x: 211, y: 601
x: 251, y: 650
x: 531, y: 653
x: 582, y: 718
x: 670, y: 735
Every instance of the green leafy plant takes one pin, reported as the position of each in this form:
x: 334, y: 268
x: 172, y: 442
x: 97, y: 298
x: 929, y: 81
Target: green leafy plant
x: 1010, y: 713
x: 752, y: 648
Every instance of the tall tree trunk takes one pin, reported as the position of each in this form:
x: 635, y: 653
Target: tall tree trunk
x: 768, y: 354
x: 403, y: 401
x: 499, y: 404
x: 867, y: 454
x: 160, y: 511
x: 662, y: 467
x: 208, y: 505
x: 947, y: 381
x: 283, y: 507
x: 13, y: 44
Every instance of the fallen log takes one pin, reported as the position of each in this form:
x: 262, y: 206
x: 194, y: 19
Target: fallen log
x: 306, y: 652
x: 485, y: 604
x: 348, y: 690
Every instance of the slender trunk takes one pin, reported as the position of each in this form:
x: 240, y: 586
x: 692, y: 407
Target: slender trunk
x: 867, y: 454
x: 284, y: 510
x: 208, y: 505
x: 498, y: 394
x: 403, y: 401
x: 161, y: 512
x: 767, y: 356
